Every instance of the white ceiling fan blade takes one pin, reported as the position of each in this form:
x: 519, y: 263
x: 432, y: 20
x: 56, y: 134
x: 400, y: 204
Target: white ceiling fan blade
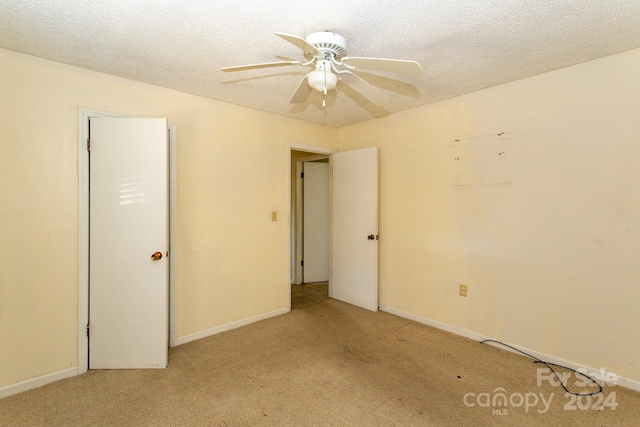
x: 263, y: 65
x: 364, y: 88
x: 411, y: 68
x: 300, y: 43
x: 302, y: 93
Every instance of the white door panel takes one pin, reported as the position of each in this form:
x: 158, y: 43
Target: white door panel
x: 128, y: 223
x: 316, y: 222
x: 354, y: 260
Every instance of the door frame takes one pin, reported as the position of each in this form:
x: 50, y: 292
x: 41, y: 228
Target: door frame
x: 294, y: 223
x: 84, y: 114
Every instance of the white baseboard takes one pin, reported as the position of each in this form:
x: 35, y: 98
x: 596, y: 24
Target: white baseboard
x: 71, y: 372
x: 623, y: 382
x: 226, y: 327
x: 37, y: 382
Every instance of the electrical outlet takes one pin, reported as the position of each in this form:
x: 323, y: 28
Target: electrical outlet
x: 463, y: 290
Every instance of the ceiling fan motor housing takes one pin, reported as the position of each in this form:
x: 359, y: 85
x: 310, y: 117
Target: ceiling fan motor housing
x: 326, y: 41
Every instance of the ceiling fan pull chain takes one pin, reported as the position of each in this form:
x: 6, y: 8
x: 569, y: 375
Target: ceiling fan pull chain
x: 324, y: 93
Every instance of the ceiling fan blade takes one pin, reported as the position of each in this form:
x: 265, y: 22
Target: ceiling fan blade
x: 302, y: 93
x: 263, y: 65
x: 411, y: 68
x: 300, y: 43
x: 364, y: 88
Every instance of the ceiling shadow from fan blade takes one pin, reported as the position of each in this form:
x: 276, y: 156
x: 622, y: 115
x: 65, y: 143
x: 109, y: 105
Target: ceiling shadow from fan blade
x: 302, y: 93
x: 359, y: 85
x: 285, y: 58
x: 315, y: 100
x: 393, y: 85
x: 371, y: 108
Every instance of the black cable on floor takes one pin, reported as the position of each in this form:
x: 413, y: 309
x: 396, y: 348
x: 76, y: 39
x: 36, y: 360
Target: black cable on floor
x: 549, y: 365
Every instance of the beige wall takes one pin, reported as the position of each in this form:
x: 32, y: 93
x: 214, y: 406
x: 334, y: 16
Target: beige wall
x: 529, y: 193
x: 232, y: 172
x: 539, y: 216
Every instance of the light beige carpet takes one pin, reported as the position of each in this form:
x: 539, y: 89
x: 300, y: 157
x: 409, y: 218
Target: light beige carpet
x: 326, y: 364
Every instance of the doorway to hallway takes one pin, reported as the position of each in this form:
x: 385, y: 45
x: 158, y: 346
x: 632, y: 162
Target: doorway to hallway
x: 308, y: 293
x: 310, y: 227
x: 352, y: 223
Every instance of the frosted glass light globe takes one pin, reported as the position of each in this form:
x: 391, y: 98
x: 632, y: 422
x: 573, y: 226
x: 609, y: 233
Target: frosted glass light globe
x: 317, y: 79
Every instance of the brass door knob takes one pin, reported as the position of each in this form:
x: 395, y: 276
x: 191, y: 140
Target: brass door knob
x: 156, y: 256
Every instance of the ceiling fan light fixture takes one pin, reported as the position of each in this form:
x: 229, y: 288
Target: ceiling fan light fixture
x: 319, y: 79
x: 328, y: 53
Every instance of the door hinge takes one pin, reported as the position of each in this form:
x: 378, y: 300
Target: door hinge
x: 302, y: 263
x: 302, y: 175
x: 88, y: 144
x: 88, y: 329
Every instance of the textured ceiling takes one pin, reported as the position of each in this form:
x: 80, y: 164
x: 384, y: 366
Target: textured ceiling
x: 461, y: 45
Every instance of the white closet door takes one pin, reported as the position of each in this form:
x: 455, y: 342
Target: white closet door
x: 128, y: 246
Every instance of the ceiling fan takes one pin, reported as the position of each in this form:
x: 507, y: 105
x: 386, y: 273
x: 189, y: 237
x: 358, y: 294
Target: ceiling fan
x: 326, y: 52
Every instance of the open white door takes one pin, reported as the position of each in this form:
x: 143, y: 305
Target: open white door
x: 128, y: 246
x: 316, y: 222
x: 354, y: 252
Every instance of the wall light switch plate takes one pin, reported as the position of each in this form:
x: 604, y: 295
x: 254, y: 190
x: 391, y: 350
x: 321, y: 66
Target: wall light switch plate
x: 274, y: 216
